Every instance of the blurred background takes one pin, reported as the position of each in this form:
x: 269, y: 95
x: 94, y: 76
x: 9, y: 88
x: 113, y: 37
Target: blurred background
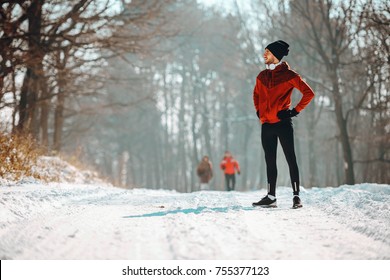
x: 141, y: 90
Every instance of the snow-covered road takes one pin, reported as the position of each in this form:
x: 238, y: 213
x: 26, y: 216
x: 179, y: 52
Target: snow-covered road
x: 62, y: 221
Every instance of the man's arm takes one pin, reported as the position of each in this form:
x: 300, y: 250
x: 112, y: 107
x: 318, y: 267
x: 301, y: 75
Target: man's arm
x: 256, y: 94
x: 237, y: 166
x: 306, y: 91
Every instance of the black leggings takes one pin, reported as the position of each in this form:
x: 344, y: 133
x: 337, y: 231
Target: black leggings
x: 269, y: 138
x: 230, y: 180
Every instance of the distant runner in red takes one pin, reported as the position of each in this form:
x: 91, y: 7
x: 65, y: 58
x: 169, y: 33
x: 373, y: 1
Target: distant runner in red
x: 272, y: 101
x: 229, y: 166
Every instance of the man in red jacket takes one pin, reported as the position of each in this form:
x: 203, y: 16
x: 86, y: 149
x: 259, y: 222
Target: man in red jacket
x: 272, y: 100
x: 229, y: 166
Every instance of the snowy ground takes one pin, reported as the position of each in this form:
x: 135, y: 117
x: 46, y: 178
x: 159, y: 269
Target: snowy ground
x: 76, y: 221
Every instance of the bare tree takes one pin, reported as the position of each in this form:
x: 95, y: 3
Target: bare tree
x: 59, y: 49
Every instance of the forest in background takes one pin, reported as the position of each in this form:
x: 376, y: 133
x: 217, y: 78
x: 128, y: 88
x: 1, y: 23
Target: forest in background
x: 142, y: 90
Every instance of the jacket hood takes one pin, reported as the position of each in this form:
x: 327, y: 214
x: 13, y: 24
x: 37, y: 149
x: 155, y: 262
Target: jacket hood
x: 281, y: 67
x: 282, y: 73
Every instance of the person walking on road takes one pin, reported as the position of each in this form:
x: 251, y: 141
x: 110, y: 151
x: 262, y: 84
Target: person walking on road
x: 230, y: 166
x: 205, y: 173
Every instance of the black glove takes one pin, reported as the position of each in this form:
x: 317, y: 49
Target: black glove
x: 258, y: 115
x: 285, y: 114
x: 238, y: 172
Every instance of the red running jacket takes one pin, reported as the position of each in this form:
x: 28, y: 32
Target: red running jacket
x: 273, y: 89
x: 229, y: 165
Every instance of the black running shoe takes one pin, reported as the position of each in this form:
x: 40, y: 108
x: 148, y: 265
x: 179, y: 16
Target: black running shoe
x: 265, y: 202
x: 296, y: 202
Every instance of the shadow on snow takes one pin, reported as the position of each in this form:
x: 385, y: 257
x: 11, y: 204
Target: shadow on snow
x: 198, y: 210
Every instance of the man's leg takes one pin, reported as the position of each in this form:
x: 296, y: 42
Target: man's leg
x: 233, y: 181
x: 286, y: 137
x: 227, y: 182
x: 269, y: 141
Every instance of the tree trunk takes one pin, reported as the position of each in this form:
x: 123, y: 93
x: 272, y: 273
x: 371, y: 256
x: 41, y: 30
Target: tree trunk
x: 45, y: 108
x: 344, y: 137
x: 59, y: 110
x: 58, y: 120
x: 195, y: 155
x: 245, y: 165
x: 30, y: 89
x: 182, y: 138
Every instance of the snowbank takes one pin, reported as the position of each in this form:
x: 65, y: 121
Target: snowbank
x: 54, y: 169
x: 363, y: 207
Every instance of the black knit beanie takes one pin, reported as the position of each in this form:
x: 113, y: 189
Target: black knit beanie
x: 278, y: 48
